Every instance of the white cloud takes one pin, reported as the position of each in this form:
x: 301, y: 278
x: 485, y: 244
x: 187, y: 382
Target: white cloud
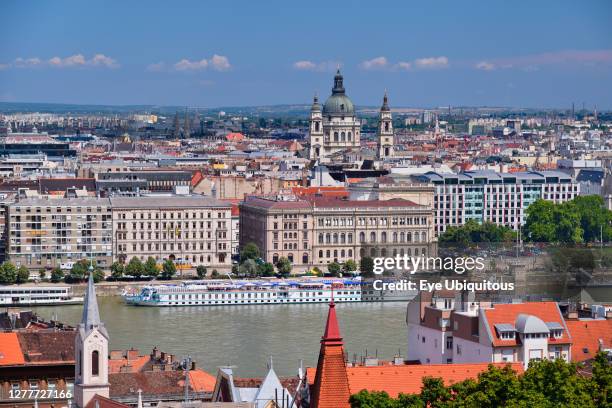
x: 323, y: 66
x: 374, y: 63
x: 403, y: 65
x: 186, y: 65
x: 220, y: 63
x: 431, y: 62
x: 485, y: 66
x: 305, y: 65
x: 103, y: 60
x: 216, y: 62
x: 28, y: 62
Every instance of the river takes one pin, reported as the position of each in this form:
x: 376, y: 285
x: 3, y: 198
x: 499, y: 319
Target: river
x: 246, y: 336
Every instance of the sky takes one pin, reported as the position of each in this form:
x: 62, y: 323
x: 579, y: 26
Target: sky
x: 541, y: 54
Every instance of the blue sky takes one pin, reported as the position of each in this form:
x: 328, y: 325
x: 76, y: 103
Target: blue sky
x: 235, y: 53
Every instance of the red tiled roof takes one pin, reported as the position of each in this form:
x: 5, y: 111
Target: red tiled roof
x: 99, y: 401
x: 507, y: 313
x: 10, y: 351
x: 408, y: 379
x: 114, y: 366
x: 586, y: 335
x: 201, y: 381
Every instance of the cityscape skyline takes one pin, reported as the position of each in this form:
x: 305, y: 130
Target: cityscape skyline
x: 484, y: 55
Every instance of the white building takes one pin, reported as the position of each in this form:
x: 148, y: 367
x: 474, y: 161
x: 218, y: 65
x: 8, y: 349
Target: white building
x: 444, y: 327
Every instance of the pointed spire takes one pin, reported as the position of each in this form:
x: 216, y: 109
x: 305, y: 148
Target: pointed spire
x: 385, y: 105
x: 315, y: 103
x: 338, y: 83
x: 332, y: 329
x: 91, y: 314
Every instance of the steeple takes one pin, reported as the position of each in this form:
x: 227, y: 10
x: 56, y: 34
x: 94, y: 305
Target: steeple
x: 331, y: 387
x: 338, y: 83
x: 385, y: 105
x: 91, y: 314
x: 316, y: 107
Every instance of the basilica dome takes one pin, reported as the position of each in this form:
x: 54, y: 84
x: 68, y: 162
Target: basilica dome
x: 338, y: 104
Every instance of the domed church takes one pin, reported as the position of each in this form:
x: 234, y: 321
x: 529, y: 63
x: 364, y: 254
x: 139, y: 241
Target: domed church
x: 335, y: 127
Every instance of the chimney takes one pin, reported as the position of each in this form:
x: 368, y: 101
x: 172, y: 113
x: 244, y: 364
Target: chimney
x: 132, y: 354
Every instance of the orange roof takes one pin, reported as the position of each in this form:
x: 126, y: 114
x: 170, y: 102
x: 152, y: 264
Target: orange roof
x: 114, y: 366
x: 103, y: 402
x: 201, y: 381
x: 507, y: 313
x: 586, y: 335
x: 10, y: 351
x: 235, y: 137
x: 408, y: 379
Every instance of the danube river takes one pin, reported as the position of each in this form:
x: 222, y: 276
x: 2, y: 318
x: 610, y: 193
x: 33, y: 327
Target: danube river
x: 246, y: 336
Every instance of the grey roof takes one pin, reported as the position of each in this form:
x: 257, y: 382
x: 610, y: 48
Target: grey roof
x: 62, y: 202
x: 505, y: 327
x: 554, y: 325
x: 91, y: 315
x: 530, y: 324
x: 178, y: 202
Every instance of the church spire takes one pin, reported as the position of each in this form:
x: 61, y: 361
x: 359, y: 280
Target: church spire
x: 385, y: 105
x: 331, y: 388
x: 91, y: 314
x: 338, y: 83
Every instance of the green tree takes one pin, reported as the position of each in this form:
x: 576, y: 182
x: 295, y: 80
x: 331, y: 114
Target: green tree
x: 168, y: 269
x: 57, y: 275
x: 595, y: 218
x: 250, y: 251
x: 349, y: 266
x: 8, y: 273
x: 284, y: 266
x: 539, y: 226
x: 150, y: 267
x: 334, y: 268
x: 266, y: 269
x: 98, y: 275
x: 134, y: 267
x: 22, y: 274
x: 79, y: 271
x: 214, y: 274
x: 201, y: 271
x: 248, y: 268
x: 117, y: 270
x: 366, y: 267
x: 42, y: 274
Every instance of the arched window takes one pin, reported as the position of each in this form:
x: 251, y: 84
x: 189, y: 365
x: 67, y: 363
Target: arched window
x: 342, y: 253
x: 372, y: 236
x: 335, y: 238
x: 350, y: 253
x: 350, y: 136
x: 290, y: 258
x: 423, y: 237
x: 305, y: 258
x: 328, y: 238
x: 409, y: 237
x: 320, y: 238
x: 274, y: 258
x: 395, y: 237
x: 327, y: 253
x: 342, y: 238
x: 402, y: 237
x: 416, y: 237
x: 373, y: 252
x: 343, y: 136
x: 383, y: 252
x: 383, y: 237
x: 95, y: 362
x: 320, y: 253
x: 350, y: 238
x: 335, y: 254
x: 316, y: 126
x: 335, y: 136
x: 386, y: 126
x: 362, y: 252
x: 362, y: 237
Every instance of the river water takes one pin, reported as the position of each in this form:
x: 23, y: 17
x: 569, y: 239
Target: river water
x: 246, y: 336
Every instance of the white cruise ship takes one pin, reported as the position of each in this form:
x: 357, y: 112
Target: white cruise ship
x: 37, y: 296
x: 223, y: 293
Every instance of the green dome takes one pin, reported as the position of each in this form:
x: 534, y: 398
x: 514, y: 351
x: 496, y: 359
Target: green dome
x: 338, y: 103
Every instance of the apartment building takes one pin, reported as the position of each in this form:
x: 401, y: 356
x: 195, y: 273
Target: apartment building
x: 317, y: 230
x: 192, y: 230
x: 449, y: 327
x: 501, y: 198
x: 46, y: 232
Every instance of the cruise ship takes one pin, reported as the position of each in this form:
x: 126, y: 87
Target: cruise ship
x: 224, y: 293
x: 37, y: 296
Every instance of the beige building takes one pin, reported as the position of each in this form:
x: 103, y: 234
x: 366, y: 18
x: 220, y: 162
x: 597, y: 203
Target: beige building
x: 46, y: 232
x: 318, y: 231
x: 192, y: 230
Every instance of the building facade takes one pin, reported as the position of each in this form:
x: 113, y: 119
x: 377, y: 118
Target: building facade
x: 500, y: 198
x: 192, y: 230
x: 44, y: 233
x: 445, y: 327
x: 318, y: 231
x: 335, y: 127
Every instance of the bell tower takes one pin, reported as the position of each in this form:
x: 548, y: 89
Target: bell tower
x: 385, y: 130
x: 316, y: 130
x: 91, y: 352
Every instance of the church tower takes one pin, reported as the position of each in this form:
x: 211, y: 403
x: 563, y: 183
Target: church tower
x: 316, y: 129
x: 91, y: 352
x: 385, y: 131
